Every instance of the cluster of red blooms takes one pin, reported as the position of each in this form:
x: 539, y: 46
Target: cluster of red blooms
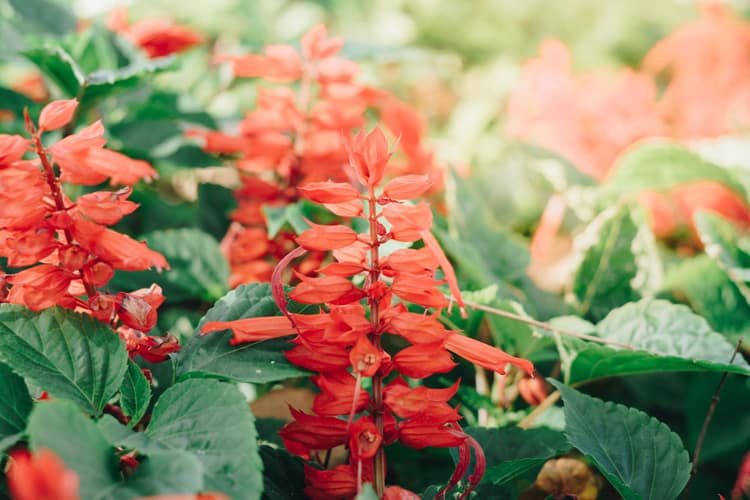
x: 156, y: 36
x: 64, y: 249
x: 593, y: 118
x: 293, y: 138
x: 343, y: 341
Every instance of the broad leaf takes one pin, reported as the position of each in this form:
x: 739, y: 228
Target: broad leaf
x: 640, y: 456
x: 135, y: 393
x: 512, y: 451
x: 15, y: 406
x: 15, y: 102
x: 661, y: 166
x: 211, y: 355
x: 609, y: 265
x: 283, y: 475
x: 665, y: 337
x: 70, y: 355
x: 105, y: 82
x: 278, y: 217
x: 60, y: 427
x: 723, y: 243
x: 58, y: 65
x: 120, y: 435
x: 198, y: 270
x: 211, y: 419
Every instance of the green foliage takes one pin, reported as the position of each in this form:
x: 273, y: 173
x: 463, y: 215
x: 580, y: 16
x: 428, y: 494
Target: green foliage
x: 640, y: 456
x: 212, y: 356
x: 198, y: 270
x: 283, y: 475
x: 72, y: 356
x: 723, y: 244
x: 15, y: 406
x: 135, y: 393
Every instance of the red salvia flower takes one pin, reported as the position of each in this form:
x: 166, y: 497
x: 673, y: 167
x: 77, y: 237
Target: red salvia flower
x: 343, y: 341
x: 157, y: 37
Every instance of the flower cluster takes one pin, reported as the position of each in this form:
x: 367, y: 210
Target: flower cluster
x: 157, y: 37
x: 362, y: 295
x: 293, y: 138
x: 62, y: 252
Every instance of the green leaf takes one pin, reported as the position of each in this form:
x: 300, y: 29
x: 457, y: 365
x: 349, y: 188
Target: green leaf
x: 135, y: 393
x: 45, y: 16
x: 15, y: 406
x: 212, y: 420
x: 666, y: 337
x: 15, y: 102
x: 640, y: 456
x: 712, y: 294
x: 661, y: 166
x: 105, y: 82
x: 163, y: 473
x: 120, y: 435
x: 59, y: 66
x: 212, y: 356
x: 198, y: 269
x: 60, y: 427
x: 278, y: 217
x: 512, y: 451
x: 723, y: 243
x: 72, y: 356
x: 604, y: 278
x: 283, y: 475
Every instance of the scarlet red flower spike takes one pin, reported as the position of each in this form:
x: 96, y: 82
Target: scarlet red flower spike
x: 343, y: 340
x: 65, y: 246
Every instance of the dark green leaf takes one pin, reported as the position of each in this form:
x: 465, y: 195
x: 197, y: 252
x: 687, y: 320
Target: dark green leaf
x: 212, y: 420
x: 135, y: 393
x: 120, y: 435
x: 211, y: 355
x: 603, y: 279
x: 45, y: 16
x: 278, y: 217
x: 57, y: 65
x: 72, y: 356
x: 511, y: 451
x: 15, y: 406
x: 198, y: 270
x: 661, y: 166
x: 15, y: 102
x: 640, y: 456
x: 105, y: 82
x: 60, y: 427
x: 283, y: 475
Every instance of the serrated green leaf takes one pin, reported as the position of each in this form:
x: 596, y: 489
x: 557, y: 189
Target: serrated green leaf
x: 15, y: 406
x: 640, y: 456
x: 198, y: 270
x: 70, y: 355
x: 723, y: 243
x: 666, y: 337
x: 278, y: 217
x: 661, y: 166
x: 604, y: 278
x: 60, y: 427
x: 283, y: 475
x: 211, y: 355
x: 212, y: 420
x: 512, y: 451
x: 105, y: 82
x: 59, y: 66
x: 135, y: 393
x: 120, y: 435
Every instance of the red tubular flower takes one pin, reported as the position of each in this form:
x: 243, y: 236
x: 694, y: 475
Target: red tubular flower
x: 364, y: 438
x: 425, y: 431
x: 407, y: 187
x: 409, y: 403
x: 398, y: 493
x: 423, y: 360
x: 41, y: 476
x: 56, y: 114
x: 138, y: 309
x: 365, y: 357
x: 157, y: 37
x: 106, y: 207
x: 324, y: 238
x: 339, y: 482
x: 329, y: 192
x: 317, y: 290
x: 314, y: 433
x: 484, y: 355
x: 338, y: 394
x: 253, y: 329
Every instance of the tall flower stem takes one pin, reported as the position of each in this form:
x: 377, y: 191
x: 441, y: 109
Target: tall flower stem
x: 377, y: 379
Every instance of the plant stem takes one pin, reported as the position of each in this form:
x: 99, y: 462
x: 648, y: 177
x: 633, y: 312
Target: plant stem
x: 543, y: 406
x: 377, y: 379
x: 546, y: 326
x: 706, y: 422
